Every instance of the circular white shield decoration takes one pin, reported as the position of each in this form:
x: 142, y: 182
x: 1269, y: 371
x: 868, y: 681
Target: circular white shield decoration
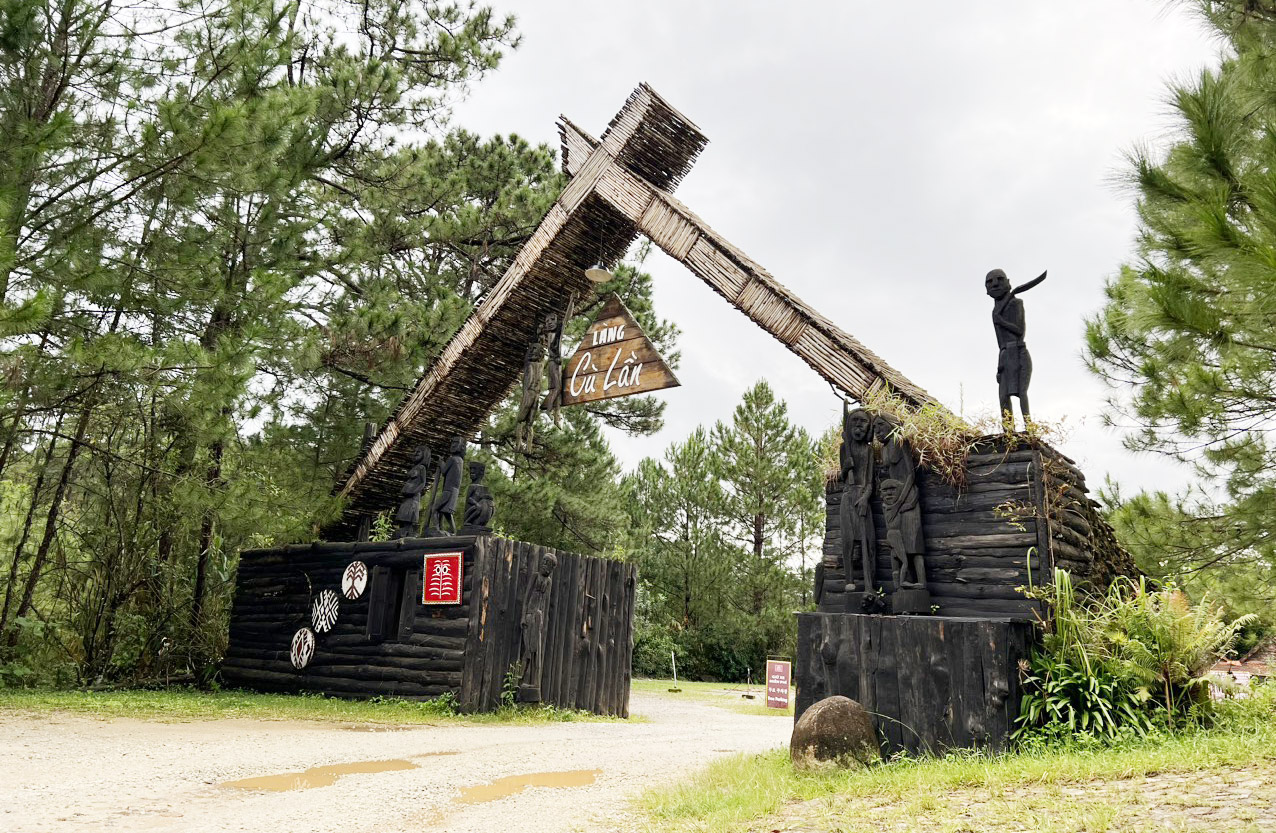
x: 354, y: 580
x: 303, y: 647
x: 323, y: 614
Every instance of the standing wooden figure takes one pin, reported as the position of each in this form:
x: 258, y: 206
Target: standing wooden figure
x: 1014, y: 364
x: 409, y: 514
x: 533, y: 630
x: 528, y: 405
x: 449, y: 481
x: 903, y: 512
x: 855, y: 513
x: 553, y: 330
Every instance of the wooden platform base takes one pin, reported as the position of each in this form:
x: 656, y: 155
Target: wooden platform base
x: 932, y: 683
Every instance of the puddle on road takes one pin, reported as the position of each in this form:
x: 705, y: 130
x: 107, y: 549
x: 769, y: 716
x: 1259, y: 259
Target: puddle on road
x: 319, y: 776
x: 515, y: 784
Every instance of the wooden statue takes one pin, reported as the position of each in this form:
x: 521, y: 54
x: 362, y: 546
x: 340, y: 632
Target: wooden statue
x: 907, y: 568
x: 903, y: 513
x: 1014, y: 365
x: 528, y: 405
x: 447, y: 484
x: 553, y: 330
x: 856, y: 515
x: 478, y: 500
x: 409, y: 514
x: 533, y: 629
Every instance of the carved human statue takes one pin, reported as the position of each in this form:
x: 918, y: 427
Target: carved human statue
x: 448, y: 486
x: 1014, y: 364
x: 552, y: 330
x: 529, y: 402
x: 409, y: 514
x: 908, y: 569
x: 478, y: 499
x: 855, y: 515
x: 532, y: 627
x: 902, y: 508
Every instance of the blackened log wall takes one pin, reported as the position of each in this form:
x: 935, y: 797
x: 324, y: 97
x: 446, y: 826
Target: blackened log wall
x: 465, y: 650
x: 930, y: 683
x: 1023, y: 510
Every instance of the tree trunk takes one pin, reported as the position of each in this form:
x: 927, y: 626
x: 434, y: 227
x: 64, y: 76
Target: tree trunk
x: 26, y: 527
x: 51, y: 523
x: 212, y: 480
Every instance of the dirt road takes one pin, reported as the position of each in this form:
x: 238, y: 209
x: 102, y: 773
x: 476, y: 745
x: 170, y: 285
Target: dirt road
x: 67, y: 773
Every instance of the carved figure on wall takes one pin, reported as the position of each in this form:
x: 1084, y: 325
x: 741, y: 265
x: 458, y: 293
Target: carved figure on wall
x: 533, y: 629
x: 409, y: 514
x: 447, y: 484
x: 855, y: 514
x: 479, y: 506
x: 903, y: 513
x: 529, y: 404
x: 1014, y: 364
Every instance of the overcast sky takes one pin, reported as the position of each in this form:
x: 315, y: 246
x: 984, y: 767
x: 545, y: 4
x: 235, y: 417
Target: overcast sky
x: 878, y: 163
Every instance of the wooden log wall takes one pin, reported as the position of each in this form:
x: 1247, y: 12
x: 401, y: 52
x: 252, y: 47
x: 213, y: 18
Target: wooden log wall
x: 273, y: 596
x: 1023, y: 510
x: 931, y: 683
x: 465, y: 649
x: 589, y: 628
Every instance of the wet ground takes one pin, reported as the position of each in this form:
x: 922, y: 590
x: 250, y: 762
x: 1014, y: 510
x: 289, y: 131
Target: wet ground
x: 66, y: 773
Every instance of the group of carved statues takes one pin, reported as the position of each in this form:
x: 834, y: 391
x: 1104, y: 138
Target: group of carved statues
x: 866, y: 438
x: 447, y: 492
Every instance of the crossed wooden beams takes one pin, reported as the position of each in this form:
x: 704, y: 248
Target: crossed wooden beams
x: 619, y: 188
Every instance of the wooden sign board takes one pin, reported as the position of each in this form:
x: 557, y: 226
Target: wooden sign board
x: 778, y: 674
x: 615, y: 359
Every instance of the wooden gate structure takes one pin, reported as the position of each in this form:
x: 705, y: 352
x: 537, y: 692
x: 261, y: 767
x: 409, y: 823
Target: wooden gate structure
x: 932, y: 681
x: 619, y: 188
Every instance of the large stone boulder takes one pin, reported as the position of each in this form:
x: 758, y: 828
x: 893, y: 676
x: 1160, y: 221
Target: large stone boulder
x: 838, y: 730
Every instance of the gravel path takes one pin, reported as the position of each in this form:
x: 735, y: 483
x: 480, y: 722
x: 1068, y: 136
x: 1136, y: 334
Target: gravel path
x: 67, y: 773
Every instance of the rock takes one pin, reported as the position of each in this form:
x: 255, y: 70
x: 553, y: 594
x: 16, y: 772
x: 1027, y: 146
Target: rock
x: 836, y: 729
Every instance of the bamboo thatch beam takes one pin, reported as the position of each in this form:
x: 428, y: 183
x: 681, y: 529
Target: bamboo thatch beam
x: 831, y: 352
x: 484, y: 359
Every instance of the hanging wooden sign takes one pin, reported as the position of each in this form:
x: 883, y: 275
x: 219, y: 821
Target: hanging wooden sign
x: 615, y: 359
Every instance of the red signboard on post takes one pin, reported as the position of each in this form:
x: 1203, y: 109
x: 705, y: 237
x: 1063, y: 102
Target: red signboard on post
x: 778, y: 673
x: 441, y: 579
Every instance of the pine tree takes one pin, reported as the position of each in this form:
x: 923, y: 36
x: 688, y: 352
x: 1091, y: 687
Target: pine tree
x: 1188, y: 334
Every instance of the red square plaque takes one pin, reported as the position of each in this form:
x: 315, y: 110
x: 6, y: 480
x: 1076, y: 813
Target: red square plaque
x: 441, y: 579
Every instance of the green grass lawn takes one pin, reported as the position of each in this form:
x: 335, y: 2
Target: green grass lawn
x: 181, y: 704
x: 725, y: 695
x: 1060, y: 788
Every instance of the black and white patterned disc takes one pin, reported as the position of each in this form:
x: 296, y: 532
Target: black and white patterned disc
x: 354, y: 579
x: 303, y: 647
x: 323, y: 614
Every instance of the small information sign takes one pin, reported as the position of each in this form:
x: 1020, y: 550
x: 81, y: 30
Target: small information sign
x: 441, y: 579
x: 778, y: 673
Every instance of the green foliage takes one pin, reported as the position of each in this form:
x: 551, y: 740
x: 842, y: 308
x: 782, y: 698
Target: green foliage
x: 509, y: 684
x: 721, y: 531
x: 1126, y: 661
x: 208, y: 287
x: 1188, y: 332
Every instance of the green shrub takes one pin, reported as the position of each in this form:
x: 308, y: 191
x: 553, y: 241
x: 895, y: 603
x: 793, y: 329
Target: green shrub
x: 1122, y: 662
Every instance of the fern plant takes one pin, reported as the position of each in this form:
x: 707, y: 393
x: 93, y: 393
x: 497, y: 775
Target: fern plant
x: 1124, y: 660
